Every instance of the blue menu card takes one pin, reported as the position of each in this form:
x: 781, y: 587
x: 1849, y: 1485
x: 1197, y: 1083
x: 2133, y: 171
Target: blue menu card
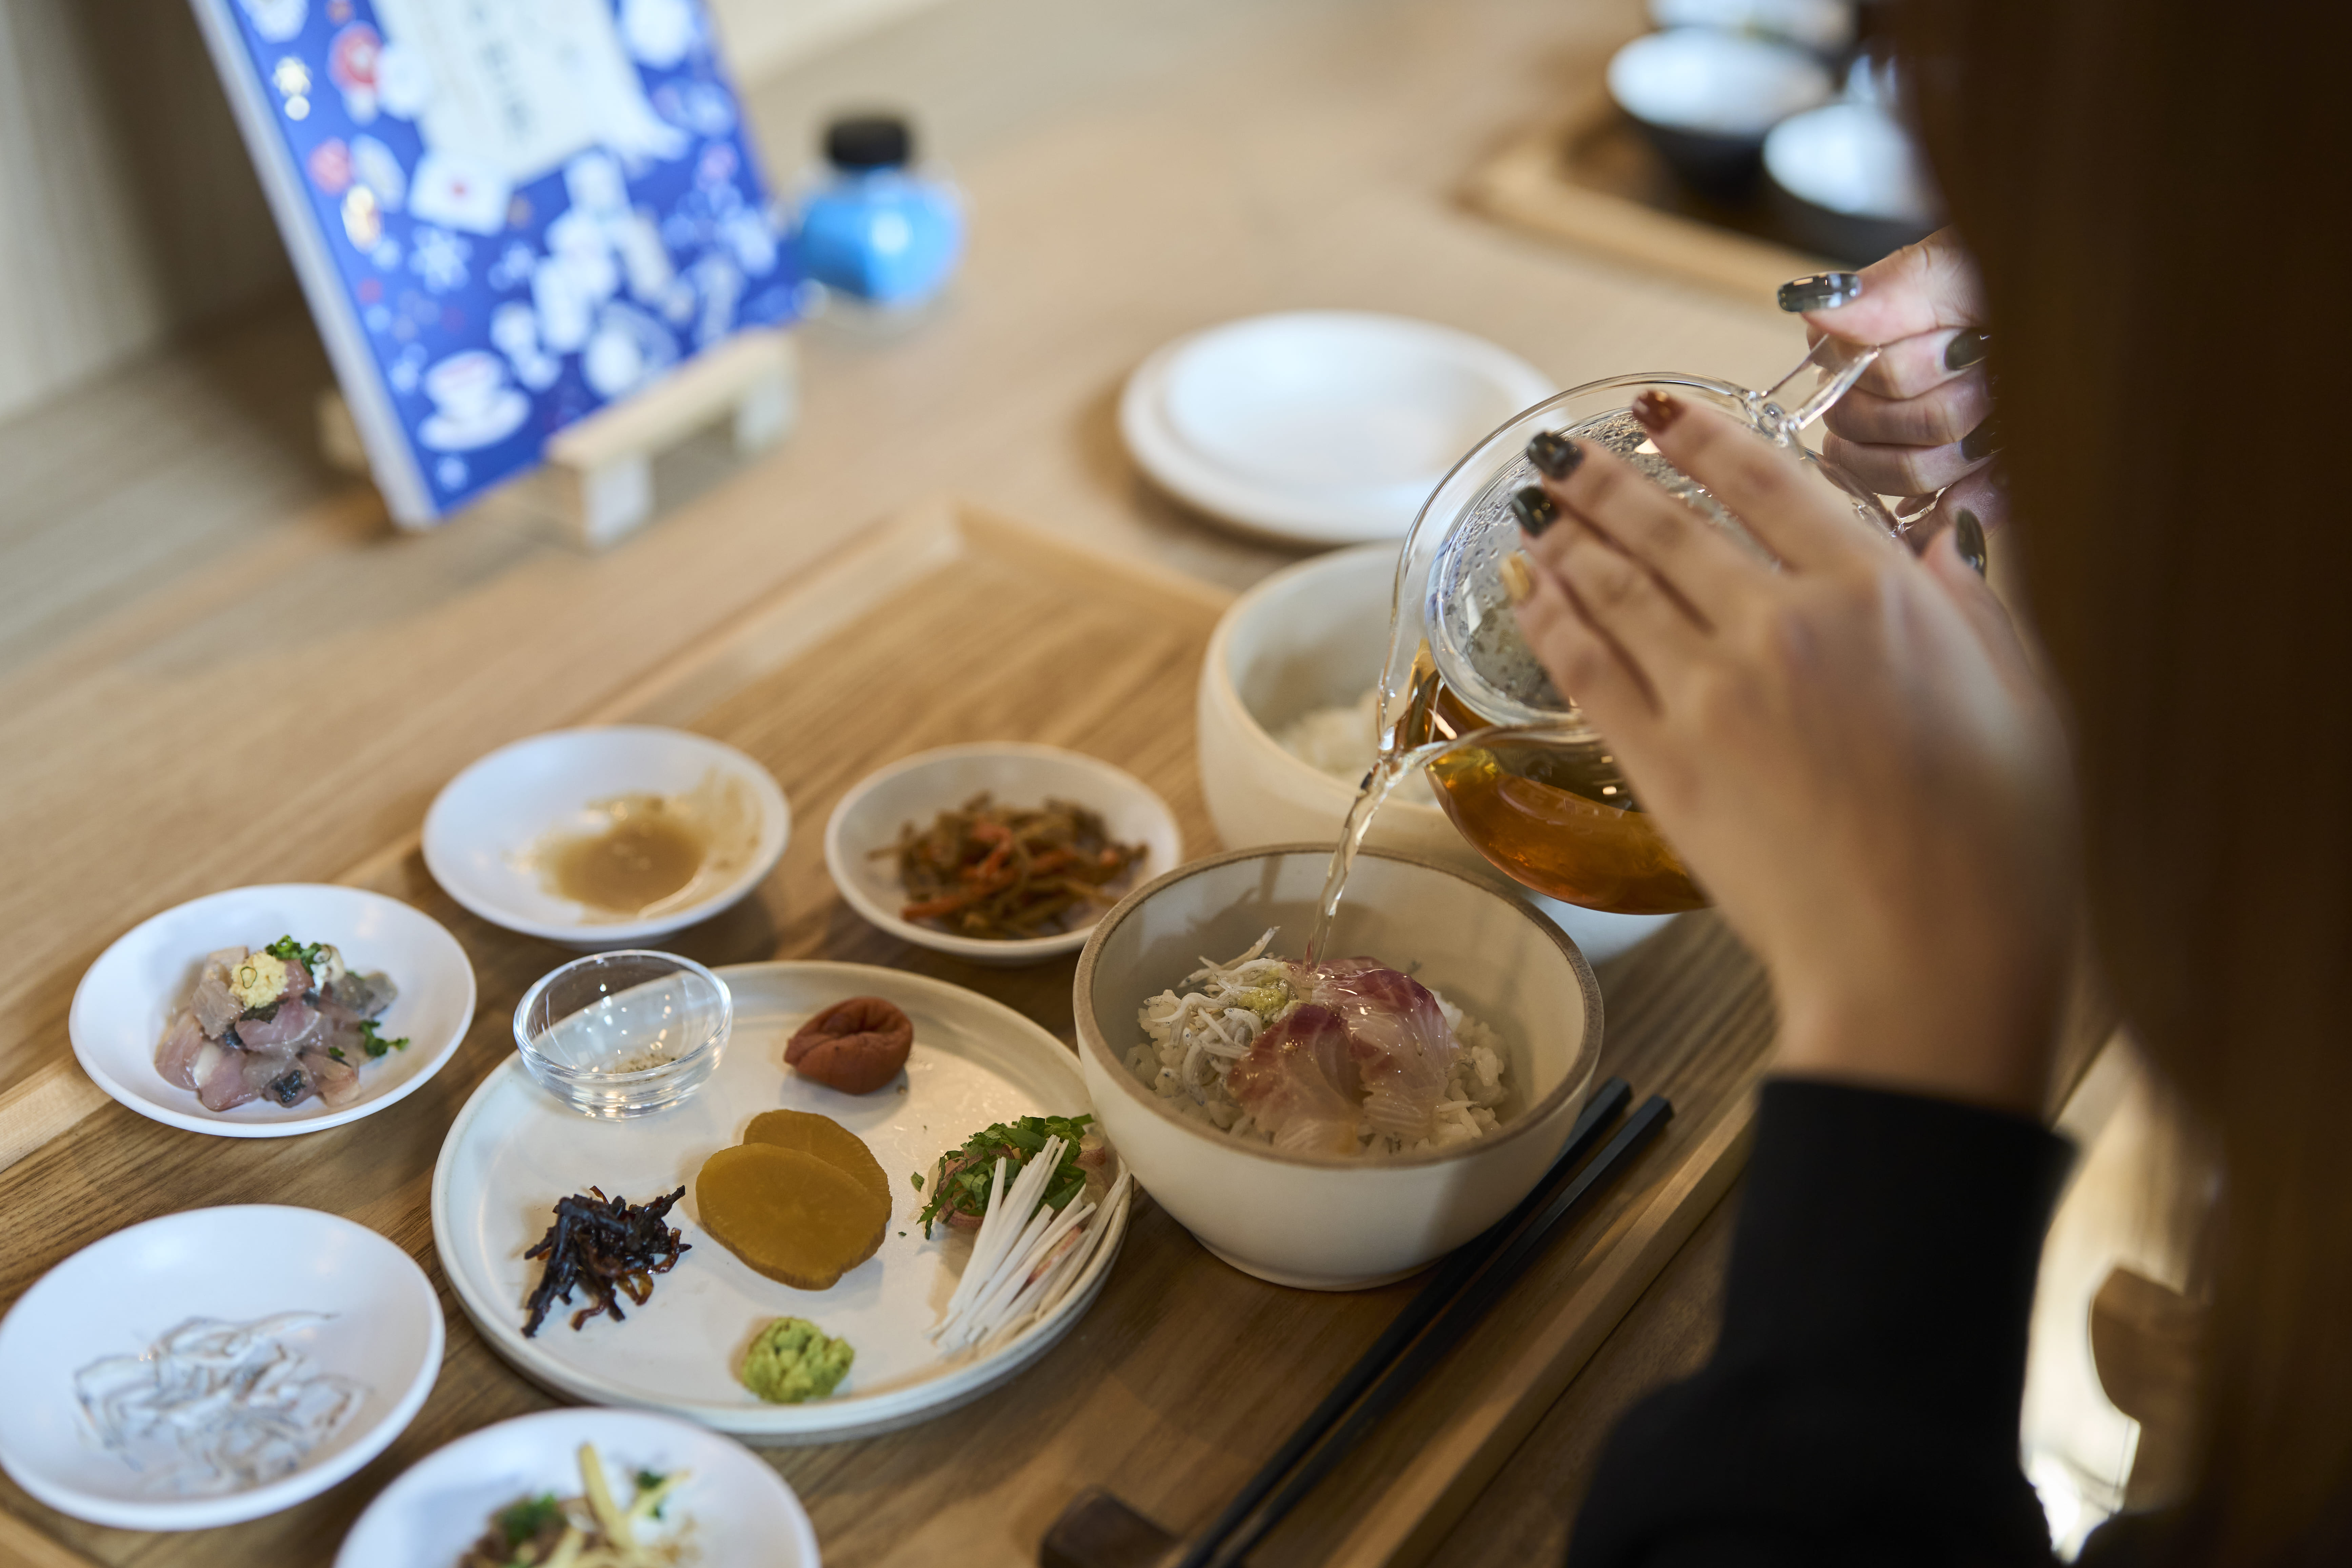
x: 505, y: 213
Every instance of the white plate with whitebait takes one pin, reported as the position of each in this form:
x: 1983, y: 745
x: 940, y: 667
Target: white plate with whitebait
x: 213, y: 1367
x: 687, y: 1495
x: 515, y: 1151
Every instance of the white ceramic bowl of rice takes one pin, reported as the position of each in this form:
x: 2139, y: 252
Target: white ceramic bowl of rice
x: 1286, y: 733
x: 1330, y: 1221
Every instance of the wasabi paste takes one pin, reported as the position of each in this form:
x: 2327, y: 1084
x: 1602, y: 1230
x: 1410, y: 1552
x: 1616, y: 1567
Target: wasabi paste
x: 793, y: 1359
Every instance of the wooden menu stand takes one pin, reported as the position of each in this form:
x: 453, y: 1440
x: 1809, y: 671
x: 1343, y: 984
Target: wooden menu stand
x: 598, y: 481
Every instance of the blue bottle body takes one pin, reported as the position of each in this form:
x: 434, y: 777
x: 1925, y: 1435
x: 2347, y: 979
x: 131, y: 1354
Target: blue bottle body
x: 883, y: 236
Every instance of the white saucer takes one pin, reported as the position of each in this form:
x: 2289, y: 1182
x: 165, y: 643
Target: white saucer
x: 119, y: 1295
x: 127, y: 997
x: 483, y: 822
x: 1319, y: 426
x: 740, y: 1510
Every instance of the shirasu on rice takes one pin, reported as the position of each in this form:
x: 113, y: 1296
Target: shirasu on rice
x: 1217, y: 1017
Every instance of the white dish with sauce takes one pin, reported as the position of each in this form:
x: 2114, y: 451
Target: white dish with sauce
x: 139, y: 983
x: 513, y: 1151
x: 673, y: 828
x: 118, y: 1296
x: 860, y: 836
x: 738, y: 1508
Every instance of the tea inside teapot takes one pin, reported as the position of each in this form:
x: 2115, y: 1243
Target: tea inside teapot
x: 1522, y: 774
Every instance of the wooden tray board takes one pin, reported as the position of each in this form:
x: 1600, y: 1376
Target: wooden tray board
x: 1589, y: 178
x: 946, y: 626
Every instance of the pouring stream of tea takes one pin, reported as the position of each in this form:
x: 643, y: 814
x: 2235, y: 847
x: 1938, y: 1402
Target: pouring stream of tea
x: 1388, y: 770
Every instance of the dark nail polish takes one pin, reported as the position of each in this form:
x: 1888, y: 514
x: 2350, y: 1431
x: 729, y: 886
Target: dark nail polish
x: 1555, y: 455
x: 1983, y: 440
x: 1968, y: 539
x: 1821, y: 291
x: 1965, y: 350
x: 1655, y: 411
x: 1534, y: 509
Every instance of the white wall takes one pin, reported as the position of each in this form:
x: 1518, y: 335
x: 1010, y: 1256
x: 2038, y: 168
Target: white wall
x: 764, y: 36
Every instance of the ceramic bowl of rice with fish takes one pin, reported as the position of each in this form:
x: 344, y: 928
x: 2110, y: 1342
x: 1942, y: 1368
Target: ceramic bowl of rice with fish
x: 1334, y: 1124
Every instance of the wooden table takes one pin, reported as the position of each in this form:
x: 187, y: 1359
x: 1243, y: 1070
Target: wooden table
x: 1135, y: 170
x: 952, y: 626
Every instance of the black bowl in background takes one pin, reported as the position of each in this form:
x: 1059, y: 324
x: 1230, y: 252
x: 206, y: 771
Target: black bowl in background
x: 1847, y: 181
x: 1706, y: 100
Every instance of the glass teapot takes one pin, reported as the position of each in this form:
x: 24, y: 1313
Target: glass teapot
x: 1524, y: 777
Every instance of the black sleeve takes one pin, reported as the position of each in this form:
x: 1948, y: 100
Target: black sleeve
x: 1863, y: 1403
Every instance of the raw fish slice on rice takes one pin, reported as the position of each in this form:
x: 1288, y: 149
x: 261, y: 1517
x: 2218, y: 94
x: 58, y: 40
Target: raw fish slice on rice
x: 1402, y: 1043
x: 1300, y: 1081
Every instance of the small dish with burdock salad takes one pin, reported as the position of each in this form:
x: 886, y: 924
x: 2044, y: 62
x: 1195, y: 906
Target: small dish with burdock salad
x: 1000, y: 853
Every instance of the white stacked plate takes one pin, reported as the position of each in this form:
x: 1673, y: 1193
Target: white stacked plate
x: 1320, y: 427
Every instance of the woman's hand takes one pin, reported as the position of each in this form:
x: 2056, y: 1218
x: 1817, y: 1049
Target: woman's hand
x: 1850, y: 752
x: 1921, y: 419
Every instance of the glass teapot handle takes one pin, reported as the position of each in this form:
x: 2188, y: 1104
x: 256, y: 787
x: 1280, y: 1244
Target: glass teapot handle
x: 1783, y: 409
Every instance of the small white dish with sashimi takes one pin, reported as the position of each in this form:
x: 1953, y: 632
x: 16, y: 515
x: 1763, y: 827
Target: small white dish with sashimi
x: 265, y: 1011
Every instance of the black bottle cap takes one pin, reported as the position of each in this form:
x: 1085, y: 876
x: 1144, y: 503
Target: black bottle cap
x: 868, y: 141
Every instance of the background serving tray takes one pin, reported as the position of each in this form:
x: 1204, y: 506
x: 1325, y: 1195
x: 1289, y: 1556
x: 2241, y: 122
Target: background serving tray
x: 1587, y: 178
x: 948, y: 626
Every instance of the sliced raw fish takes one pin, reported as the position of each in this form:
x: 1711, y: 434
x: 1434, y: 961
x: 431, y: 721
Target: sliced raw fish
x: 279, y: 1077
x: 182, y: 1046
x: 295, y: 1024
x: 223, y: 1085
x: 366, y: 996
x: 337, y: 1082
x: 1301, y: 1081
x: 297, y: 979
x: 215, y: 1005
x: 1403, y: 1046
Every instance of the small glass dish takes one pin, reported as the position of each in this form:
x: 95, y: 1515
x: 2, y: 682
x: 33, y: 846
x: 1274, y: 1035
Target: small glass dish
x: 626, y: 1033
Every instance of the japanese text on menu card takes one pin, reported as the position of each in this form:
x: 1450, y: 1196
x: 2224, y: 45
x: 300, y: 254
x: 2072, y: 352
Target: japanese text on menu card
x: 536, y: 205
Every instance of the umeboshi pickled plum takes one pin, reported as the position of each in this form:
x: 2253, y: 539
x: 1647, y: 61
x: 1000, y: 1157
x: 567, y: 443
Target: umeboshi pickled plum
x: 788, y: 1215
x: 857, y: 1045
x: 826, y: 1139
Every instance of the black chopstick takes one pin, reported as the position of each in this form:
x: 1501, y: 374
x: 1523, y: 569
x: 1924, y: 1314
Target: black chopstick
x: 1607, y: 1103
x: 1458, y: 1318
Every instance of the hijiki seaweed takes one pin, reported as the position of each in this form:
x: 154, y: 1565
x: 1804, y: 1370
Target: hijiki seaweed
x: 604, y: 1247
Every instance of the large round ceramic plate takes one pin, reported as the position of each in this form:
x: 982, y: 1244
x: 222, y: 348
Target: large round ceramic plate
x: 738, y: 1510
x: 514, y: 1150
x: 1319, y: 427
x: 118, y: 1296
x: 133, y: 991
